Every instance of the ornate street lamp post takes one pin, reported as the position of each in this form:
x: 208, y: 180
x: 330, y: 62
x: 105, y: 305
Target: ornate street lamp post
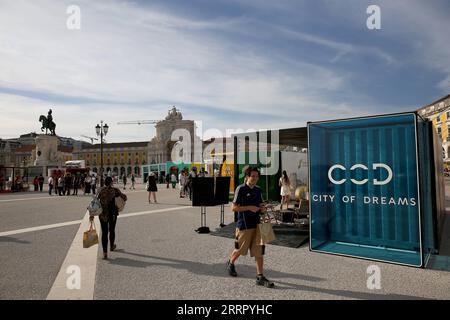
x: 101, y: 131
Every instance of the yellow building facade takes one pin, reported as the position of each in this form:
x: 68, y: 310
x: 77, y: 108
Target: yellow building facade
x: 118, y: 158
x: 441, y: 123
x: 439, y: 113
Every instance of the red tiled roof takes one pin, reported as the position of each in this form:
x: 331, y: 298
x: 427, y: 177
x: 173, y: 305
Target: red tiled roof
x: 65, y: 149
x: 31, y: 147
x: 26, y: 148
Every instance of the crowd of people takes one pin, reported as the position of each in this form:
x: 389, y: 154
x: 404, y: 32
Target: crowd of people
x: 16, y: 184
x: 38, y: 183
x: 69, y: 184
x: 184, y: 180
x: 124, y: 180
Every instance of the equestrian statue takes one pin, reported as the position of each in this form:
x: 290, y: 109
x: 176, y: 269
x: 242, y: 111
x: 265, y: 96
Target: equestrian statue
x: 47, y: 123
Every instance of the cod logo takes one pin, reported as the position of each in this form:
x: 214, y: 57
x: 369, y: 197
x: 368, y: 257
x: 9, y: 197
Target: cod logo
x: 375, y: 166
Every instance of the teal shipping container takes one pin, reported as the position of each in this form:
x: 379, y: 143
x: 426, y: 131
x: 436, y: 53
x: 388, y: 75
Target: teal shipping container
x: 376, y: 188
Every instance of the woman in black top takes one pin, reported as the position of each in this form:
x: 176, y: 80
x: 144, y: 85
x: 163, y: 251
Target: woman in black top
x: 108, y: 217
x: 151, y: 187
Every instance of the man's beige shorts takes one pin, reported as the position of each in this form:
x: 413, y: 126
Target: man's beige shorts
x: 250, y: 238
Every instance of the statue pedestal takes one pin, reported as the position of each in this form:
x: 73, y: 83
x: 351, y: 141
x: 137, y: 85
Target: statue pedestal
x: 46, y: 151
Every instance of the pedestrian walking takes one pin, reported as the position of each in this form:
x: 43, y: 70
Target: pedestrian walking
x: 108, y: 217
x: 93, y: 183
x: 124, y: 180
x: 173, y: 180
x: 152, y: 188
x: 168, y: 180
x: 191, y: 176
x: 133, y: 180
x: 36, y: 183
x: 182, y: 180
x: 60, y: 185
x: 67, y: 184
x: 51, y: 183
x: 41, y: 182
x: 82, y: 185
x: 76, y: 184
x: 247, y: 203
x: 87, y: 184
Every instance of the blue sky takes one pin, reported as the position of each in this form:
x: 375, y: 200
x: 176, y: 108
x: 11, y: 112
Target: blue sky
x: 231, y: 64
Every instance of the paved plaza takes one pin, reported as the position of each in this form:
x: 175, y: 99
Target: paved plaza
x: 160, y: 256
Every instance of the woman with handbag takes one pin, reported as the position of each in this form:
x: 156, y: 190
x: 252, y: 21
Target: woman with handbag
x: 108, y: 218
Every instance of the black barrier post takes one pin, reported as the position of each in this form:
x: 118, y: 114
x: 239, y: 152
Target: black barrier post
x: 203, y: 228
x: 222, y: 216
x: 203, y: 217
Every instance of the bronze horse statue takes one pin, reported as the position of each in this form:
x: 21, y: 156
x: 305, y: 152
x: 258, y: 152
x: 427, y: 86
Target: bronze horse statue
x: 46, y: 125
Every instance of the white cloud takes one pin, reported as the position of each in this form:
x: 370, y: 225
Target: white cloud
x: 341, y: 48
x: 20, y: 115
x: 128, y: 54
x: 146, y: 59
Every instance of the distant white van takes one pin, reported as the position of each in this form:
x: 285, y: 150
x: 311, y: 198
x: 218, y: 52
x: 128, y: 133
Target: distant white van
x: 76, y: 164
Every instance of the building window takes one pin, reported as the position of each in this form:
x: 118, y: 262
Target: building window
x: 439, y: 130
